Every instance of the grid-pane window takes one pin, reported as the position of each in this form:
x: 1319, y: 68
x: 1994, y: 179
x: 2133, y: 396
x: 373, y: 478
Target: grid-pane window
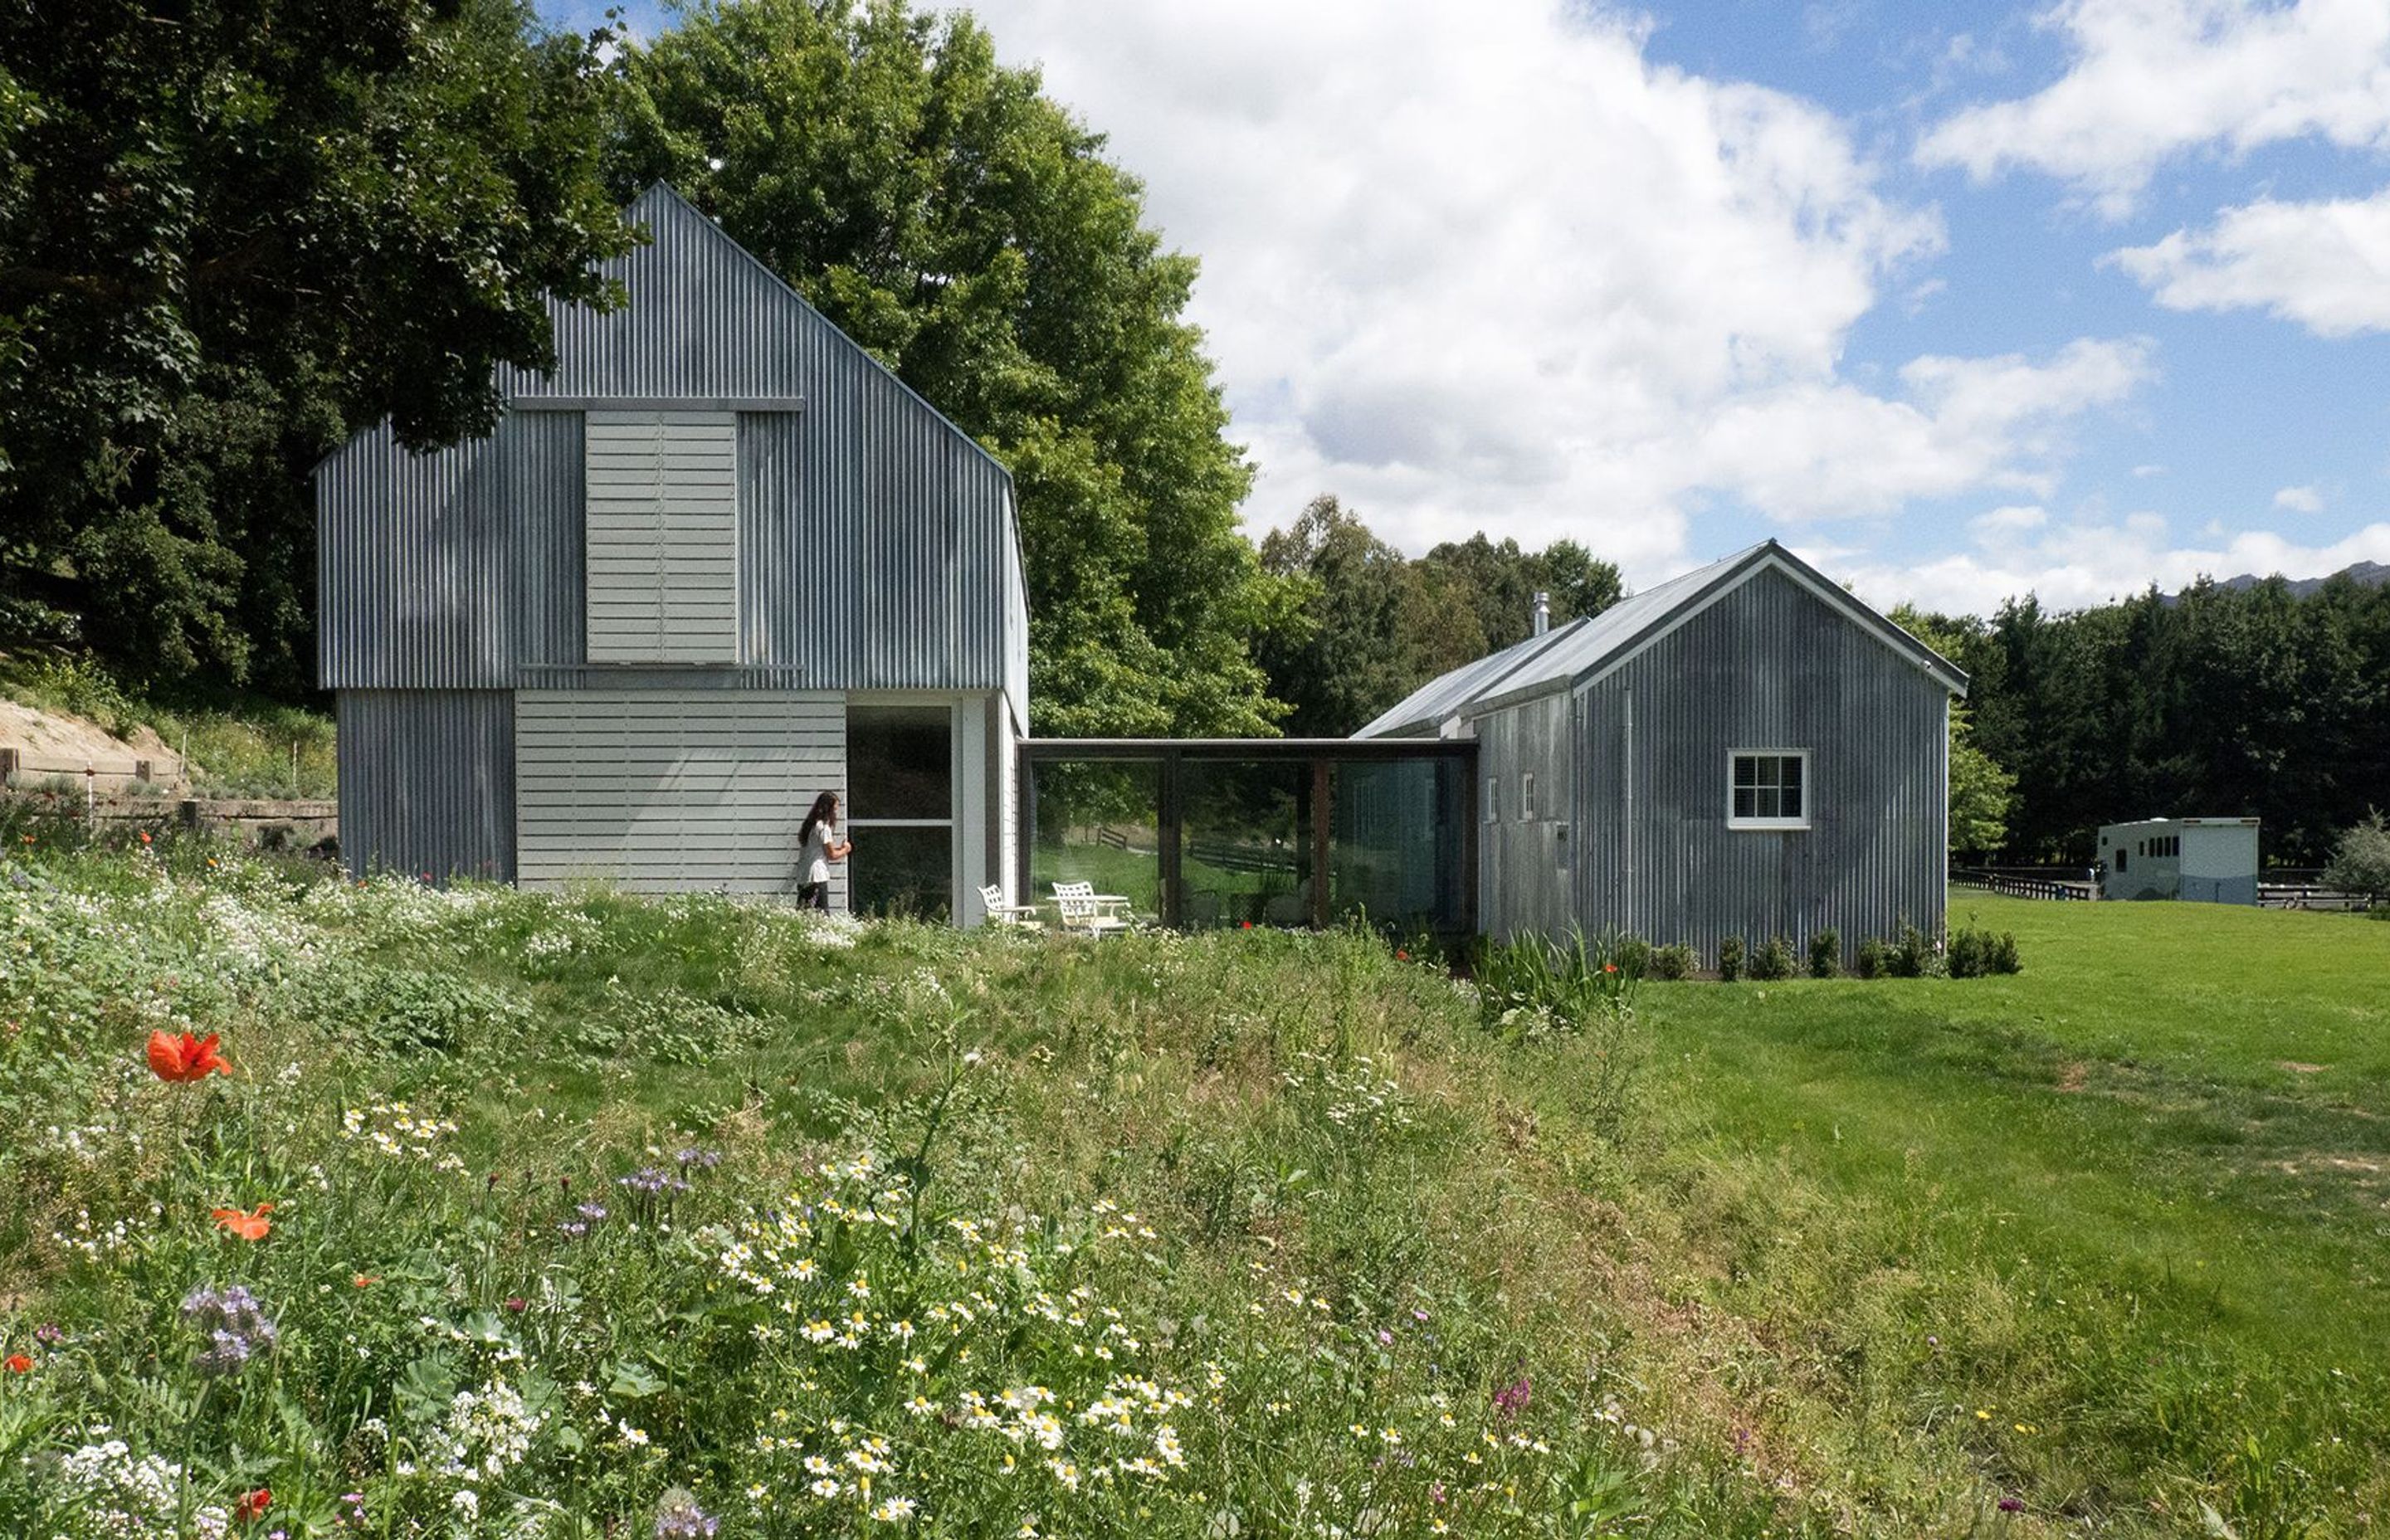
x: 1769, y: 789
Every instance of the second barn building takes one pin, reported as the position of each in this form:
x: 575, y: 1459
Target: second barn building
x: 1744, y: 751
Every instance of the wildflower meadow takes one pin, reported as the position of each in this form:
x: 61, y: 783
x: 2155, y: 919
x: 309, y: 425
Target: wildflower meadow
x: 379, y: 1210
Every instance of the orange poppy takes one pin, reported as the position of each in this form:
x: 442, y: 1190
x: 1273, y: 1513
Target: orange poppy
x: 19, y: 1363
x: 252, y: 1505
x: 144, y: 836
x: 249, y: 1226
x: 364, y: 1280
x: 179, y: 1057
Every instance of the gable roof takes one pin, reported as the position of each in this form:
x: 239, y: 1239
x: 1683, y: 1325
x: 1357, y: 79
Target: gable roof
x: 1587, y: 648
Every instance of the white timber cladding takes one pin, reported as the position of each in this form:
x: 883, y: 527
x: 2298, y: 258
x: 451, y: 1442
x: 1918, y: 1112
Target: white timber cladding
x: 664, y: 790
x: 663, y: 537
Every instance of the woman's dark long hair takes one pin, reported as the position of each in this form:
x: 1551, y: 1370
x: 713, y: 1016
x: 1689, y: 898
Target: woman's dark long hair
x: 825, y: 808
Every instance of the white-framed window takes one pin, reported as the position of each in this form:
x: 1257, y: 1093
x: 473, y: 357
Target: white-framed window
x: 1527, y: 797
x: 1493, y: 799
x: 1767, y: 789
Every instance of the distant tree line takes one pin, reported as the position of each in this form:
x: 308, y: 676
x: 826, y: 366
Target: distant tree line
x: 2218, y: 701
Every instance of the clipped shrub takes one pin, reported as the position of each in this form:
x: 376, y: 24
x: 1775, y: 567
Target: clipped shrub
x: 2004, y: 958
x: 1633, y: 956
x: 1672, y: 962
x: 1772, y: 960
x: 1730, y: 959
x: 1912, y: 954
x: 1970, y: 953
x: 1868, y: 962
x: 1825, y: 953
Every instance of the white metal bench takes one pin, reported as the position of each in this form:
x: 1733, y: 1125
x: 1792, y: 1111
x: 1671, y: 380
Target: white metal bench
x: 1019, y: 917
x: 1085, y: 912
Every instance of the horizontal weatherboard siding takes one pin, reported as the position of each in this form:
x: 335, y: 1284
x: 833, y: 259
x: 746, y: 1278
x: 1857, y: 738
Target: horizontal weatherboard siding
x: 660, y: 791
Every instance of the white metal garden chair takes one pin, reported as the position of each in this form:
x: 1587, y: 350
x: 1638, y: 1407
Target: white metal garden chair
x: 1085, y: 912
x: 1018, y: 917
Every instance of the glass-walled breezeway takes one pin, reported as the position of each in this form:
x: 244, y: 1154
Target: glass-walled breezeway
x: 1266, y: 832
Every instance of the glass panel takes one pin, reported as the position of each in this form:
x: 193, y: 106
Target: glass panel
x: 902, y: 870
x: 1746, y: 770
x: 1792, y: 787
x: 1746, y: 802
x: 1098, y: 821
x: 900, y: 761
x: 1246, y: 855
x: 1395, y: 845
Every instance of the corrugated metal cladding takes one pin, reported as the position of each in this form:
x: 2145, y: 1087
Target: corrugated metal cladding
x: 442, y: 572
x: 1525, y: 853
x: 876, y: 540
x: 1767, y: 666
x: 660, y: 792
x: 427, y: 783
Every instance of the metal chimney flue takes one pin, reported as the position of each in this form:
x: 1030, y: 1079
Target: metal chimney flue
x: 1543, y: 613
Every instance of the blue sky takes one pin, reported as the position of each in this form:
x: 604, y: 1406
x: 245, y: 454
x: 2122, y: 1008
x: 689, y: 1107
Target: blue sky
x: 1962, y: 301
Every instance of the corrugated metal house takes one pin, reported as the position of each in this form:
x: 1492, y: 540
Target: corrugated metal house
x: 1746, y: 749
x: 719, y: 561
x: 2202, y: 860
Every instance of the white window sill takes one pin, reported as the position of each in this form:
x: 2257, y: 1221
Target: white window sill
x: 1776, y: 825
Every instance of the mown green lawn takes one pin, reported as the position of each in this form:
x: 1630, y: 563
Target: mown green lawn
x: 2136, y: 1199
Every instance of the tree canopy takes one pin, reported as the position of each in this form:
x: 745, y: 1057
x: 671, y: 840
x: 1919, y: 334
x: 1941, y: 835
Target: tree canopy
x: 953, y: 219
x: 1371, y: 625
x: 2219, y: 701
x: 230, y: 230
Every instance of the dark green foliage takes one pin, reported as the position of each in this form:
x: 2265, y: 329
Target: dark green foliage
x: 1673, y: 961
x: 1529, y: 987
x: 1825, y: 953
x: 1870, y: 961
x: 1633, y: 956
x: 2004, y: 957
x: 1772, y: 960
x: 1371, y: 625
x: 962, y: 225
x: 1730, y: 966
x: 1968, y: 953
x: 232, y: 232
x: 1911, y: 955
x: 2214, y: 701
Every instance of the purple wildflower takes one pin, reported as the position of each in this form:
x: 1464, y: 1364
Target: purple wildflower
x: 1512, y: 1398
x: 573, y: 1229
x: 2010, y: 1504
x: 236, y: 1326
x: 1385, y: 1338
x: 49, y: 1332
x: 591, y: 1212
x: 705, y: 1159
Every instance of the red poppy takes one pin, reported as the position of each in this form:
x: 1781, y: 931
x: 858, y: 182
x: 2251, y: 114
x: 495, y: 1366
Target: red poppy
x: 252, y: 1505
x: 19, y: 1363
x: 1401, y: 956
x: 181, y: 1057
x: 364, y: 1280
x: 1246, y: 925
x: 249, y: 1226
x: 1609, y: 968
x: 144, y: 836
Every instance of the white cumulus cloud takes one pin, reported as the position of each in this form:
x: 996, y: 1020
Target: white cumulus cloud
x: 1492, y: 267
x: 2151, y: 79
x: 2077, y: 564
x: 2300, y: 499
x: 2325, y: 265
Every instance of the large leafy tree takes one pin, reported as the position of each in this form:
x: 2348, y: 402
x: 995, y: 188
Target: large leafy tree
x: 230, y: 230
x: 956, y: 222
